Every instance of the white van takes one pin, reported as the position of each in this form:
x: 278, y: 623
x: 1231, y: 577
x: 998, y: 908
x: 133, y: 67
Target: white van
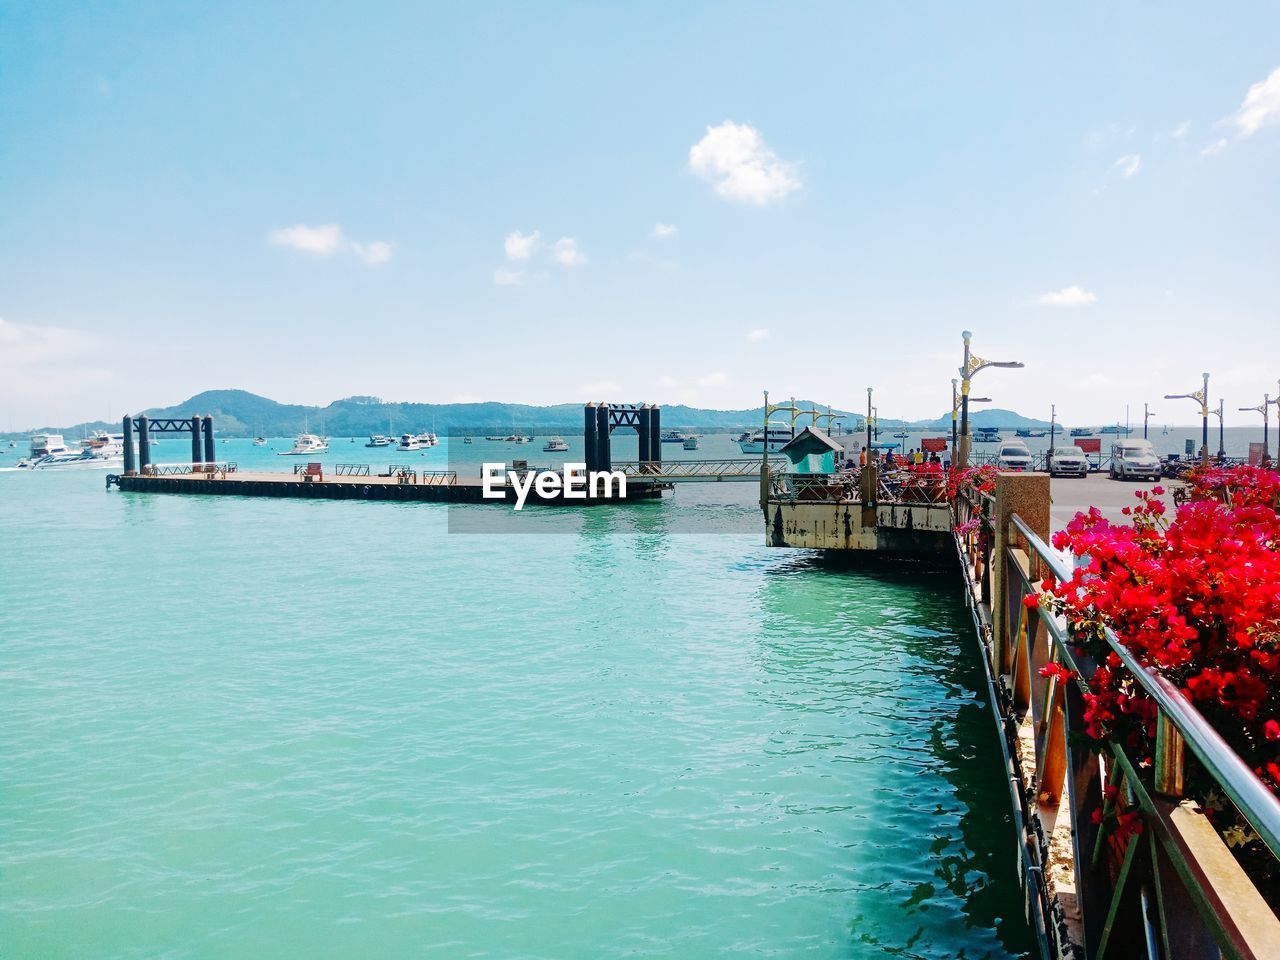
x: 1013, y: 455
x: 1134, y: 460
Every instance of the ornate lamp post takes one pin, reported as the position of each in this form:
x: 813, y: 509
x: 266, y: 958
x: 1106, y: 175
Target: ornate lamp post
x: 973, y: 365
x: 1221, y: 429
x: 955, y: 413
x: 1201, y: 397
x: 1264, y: 409
x: 870, y: 415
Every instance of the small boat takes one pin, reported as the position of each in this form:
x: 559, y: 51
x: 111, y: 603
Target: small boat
x: 378, y: 440
x: 466, y: 439
x: 777, y: 438
x: 1163, y: 433
x: 691, y: 442
x: 306, y: 444
x: 986, y: 435
x: 1116, y: 429
x: 902, y: 435
x: 555, y: 445
x: 410, y: 441
x: 99, y: 450
x: 259, y: 441
x: 1031, y: 432
x: 1081, y: 432
x: 672, y: 436
x: 883, y: 445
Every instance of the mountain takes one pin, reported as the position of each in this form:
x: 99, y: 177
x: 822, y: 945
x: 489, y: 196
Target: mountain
x: 239, y: 413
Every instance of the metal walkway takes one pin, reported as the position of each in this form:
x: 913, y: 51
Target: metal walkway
x: 689, y: 471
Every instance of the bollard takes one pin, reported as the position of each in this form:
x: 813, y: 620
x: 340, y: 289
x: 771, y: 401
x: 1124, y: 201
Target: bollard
x: 130, y: 464
x: 144, y: 444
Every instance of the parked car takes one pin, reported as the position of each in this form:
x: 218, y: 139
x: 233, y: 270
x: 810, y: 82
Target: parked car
x: 1134, y: 460
x: 1068, y: 462
x: 1013, y: 455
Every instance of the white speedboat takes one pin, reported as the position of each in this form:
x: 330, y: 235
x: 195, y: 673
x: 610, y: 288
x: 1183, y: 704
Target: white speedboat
x: 691, y: 442
x: 555, y: 445
x: 259, y: 441
x: 428, y: 439
x: 305, y: 445
x: 777, y: 438
x: 378, y: 440
x: 411, y: 441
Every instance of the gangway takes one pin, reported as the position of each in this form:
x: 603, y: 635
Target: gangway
x: 687, y: 471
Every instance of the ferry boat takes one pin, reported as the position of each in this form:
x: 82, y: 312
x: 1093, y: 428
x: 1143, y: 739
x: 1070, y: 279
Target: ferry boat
x: 778, y: 437
x: 986, y: 435
x: 555, y: 445
x: 378, y: 440
x: 1081, y: 432
x: 411, y: 441
x: 1031, y: 432
x: 691, y: 442
x: 1115, y: 429
x: 306, y: 444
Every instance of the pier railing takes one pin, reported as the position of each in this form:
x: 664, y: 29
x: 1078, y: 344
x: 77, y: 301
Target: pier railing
x: 846, y: 486
x: 1169, y: 889
x: 177, y: 469
x: 685, y: 470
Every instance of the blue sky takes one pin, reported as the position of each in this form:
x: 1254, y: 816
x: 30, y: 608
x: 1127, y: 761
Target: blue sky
x: 316, y: 200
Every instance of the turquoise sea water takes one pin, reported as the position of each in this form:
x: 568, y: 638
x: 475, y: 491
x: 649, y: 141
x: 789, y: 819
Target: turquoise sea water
x: 270, y: 728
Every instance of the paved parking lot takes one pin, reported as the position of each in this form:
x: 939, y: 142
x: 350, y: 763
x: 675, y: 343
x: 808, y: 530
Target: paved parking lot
x: 1072, y: 495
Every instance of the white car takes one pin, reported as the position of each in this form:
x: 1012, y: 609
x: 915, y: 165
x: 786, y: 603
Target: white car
x: 1013, y: 455
x: 1134, y: 460
x: 1068, y: 462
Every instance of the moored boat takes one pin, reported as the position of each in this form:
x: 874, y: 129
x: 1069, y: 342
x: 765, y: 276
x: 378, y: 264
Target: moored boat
x: 306, y: 443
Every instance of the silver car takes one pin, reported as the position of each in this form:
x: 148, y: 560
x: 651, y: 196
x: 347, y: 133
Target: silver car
x: 1013, y: 455
x: 1068, y: 462
x: 1134, y: 460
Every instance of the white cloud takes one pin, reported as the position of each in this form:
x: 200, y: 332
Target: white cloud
x: 1261, y: 106
x: 379, y: 251
x: 1215, y: 147
x: 321, y: 241
x: 736, y: 160
x: 1073, y: 296
x: 503, y: 277
x: 567, y: 253
x: 663, y: 231
x: 756, y: 335
x: 666, y: 380
x: 520, y: 246
x: 1128, y: 165
x: 327, y: 239
x: 1181, y: 130
x: 716, y: 379
x: 601, y: 389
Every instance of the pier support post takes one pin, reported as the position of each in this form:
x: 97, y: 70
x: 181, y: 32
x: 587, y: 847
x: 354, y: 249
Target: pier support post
x: 1027, y: 495
x: 130, y: 463
x: 144, y: 444
x: 210, y: 455
x: 195, y: 441
x: 655, y: 435
x: 589, y: 439
x: 644, y: 424
x: 604, y: 455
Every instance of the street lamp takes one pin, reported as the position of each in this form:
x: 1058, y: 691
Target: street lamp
x: 1146, y: 415
x: 1263, y: 408
x: 870, y: 414
x: 955, y: 413
x: 973, y: 365
x: 1201, y: 397
x: 1218, y: 413
x: 1053, y: 425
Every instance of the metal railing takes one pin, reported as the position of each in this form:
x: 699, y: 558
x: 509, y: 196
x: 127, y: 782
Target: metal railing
x: 1172, y: 890
x: 826, y: 488
x: 704, y: 470
x: 351, y: 470
x: 179, y: 469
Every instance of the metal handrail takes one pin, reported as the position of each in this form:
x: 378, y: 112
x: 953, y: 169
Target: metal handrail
x: 1250, y: 795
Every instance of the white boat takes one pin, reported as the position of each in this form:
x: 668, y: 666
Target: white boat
x: 555, y: 445
x: 778, y: 437
x: 691, y: 442
x: 49, y: 450
x: 306, y: 444
x: 378, y: 440
x: 411, y: 441
x: 671, y: 436
x: 986, y: 435
x: 259, y: 441
x: 466, y: 439
x: 428, y: 439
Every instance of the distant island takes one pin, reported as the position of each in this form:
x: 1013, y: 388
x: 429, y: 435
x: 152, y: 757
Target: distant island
x: 239, y: 413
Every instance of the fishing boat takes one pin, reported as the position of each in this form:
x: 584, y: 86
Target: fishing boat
x: 776, y: 439
x: 555, y: 445
x: 378, y: 440
x: 1031, y: 432
x: 306, y: 444
x: 672, y: 436
x: 691, y: 442
x: 986, y: 435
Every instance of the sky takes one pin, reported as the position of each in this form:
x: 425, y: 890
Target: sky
x: 661, y: 202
